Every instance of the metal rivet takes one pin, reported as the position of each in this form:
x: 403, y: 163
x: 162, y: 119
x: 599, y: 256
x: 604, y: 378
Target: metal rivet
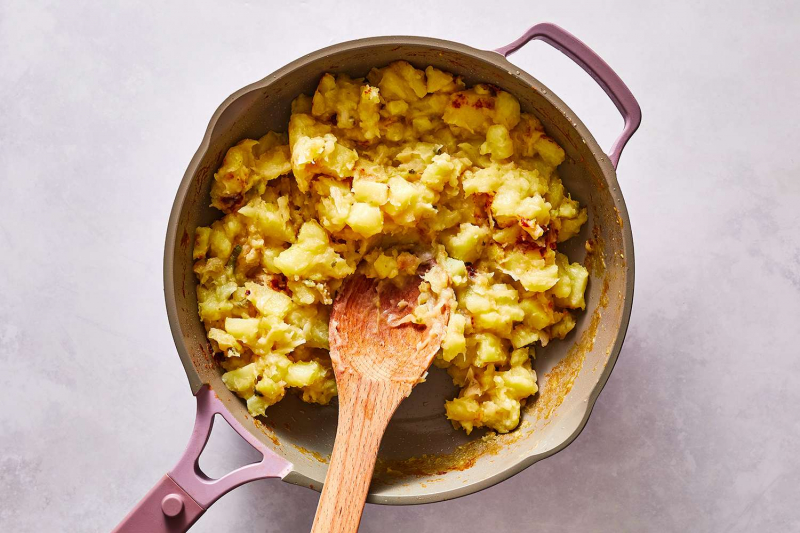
x: 172, y: 505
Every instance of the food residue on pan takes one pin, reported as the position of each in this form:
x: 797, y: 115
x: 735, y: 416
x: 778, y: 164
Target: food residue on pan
x: 267, y: 431
x: 595, y: 261
x: 462, y: 458
x: 311, y: 453
x: 619, y: 218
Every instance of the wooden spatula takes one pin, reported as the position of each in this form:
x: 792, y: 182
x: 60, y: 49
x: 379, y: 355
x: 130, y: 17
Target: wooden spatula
x: 377, y: 360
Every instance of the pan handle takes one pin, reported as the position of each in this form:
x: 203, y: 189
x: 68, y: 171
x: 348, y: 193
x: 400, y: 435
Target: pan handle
x: 598, y: 69
x: 184, y: 493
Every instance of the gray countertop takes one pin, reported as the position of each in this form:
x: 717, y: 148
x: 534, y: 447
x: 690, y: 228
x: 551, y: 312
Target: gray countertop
x: 102, y: 107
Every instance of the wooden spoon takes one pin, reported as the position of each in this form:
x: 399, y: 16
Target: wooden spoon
x: 376, y: 366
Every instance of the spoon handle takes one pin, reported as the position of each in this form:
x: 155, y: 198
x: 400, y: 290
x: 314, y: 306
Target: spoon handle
x: 365, y: 407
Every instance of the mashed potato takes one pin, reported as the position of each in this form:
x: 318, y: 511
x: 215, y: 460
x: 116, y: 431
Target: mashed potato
x: 376, y: 175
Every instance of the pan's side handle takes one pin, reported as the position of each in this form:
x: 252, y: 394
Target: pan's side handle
x: 184, y: 494
x: 598, y: 69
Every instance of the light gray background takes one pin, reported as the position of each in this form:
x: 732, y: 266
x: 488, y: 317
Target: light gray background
x: 101, y: 108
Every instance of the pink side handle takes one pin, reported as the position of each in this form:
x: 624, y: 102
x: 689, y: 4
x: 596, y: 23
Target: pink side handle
x: 598, y: 69
x: 184, y: 494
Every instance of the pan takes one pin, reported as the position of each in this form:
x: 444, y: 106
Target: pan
x: 421, y: 459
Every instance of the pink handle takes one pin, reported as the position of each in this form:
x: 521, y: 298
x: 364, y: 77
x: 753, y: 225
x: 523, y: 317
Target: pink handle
x: 184, y: 494
x: 598, y: 69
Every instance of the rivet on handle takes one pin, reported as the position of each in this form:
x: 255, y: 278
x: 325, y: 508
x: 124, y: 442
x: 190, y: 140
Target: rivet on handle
x: 172, y: 505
